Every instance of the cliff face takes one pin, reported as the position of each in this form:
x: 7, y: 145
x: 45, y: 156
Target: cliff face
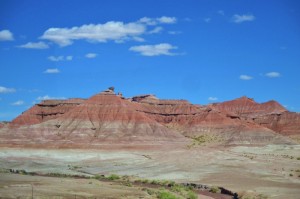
x: 110, y: 118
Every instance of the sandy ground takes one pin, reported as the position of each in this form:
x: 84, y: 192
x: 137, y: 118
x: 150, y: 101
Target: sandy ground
x: 271, y: 170
x: 21, y: 186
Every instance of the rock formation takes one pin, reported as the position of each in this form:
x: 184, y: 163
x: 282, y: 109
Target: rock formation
x: 269, y: 114
x: 110, y: 118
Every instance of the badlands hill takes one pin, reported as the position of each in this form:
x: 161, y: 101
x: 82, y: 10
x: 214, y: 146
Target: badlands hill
x: 109, y: 118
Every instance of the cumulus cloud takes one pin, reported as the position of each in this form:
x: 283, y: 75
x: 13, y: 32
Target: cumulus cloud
x: 154, y: 50
x: 52, y: 71
x: 7, y: 90
x: 37, y: 45
x: 112, y: 30
x: 245, y: 77
x: 60, y: 58
x: 273, y: 74
x: 18, y: 103
x: 6, y: 35
x: 91, y: 55
x: 47, y: 97
x: 212, y: 98
x: 242, y: 18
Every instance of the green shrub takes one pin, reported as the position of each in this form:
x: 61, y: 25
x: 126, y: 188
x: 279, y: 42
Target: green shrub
x: 113, y: 177
x: 192, y: 195
x: 97, y: 176
x: 156, y: 182
x: 163, y: 194
x: 215, y: 189
x: 145, y: 181
x: 127, y: 183
x: 150, y: 191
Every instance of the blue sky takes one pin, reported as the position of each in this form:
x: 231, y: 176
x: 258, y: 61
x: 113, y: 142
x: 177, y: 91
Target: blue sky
x: 204, y: 51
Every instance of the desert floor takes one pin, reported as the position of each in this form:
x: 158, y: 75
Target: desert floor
x: 272, y: 170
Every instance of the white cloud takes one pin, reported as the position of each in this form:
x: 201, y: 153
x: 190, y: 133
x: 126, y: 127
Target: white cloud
x: 245, y: 77
x: 53, y: 58
x: 37, y: 45
x: 6, y: 35
x: 7, y: 90
x: 212, y: 98
x: 156, y: 30
x: 273, y: 74
x: 112, y: 30
x: 91, y: 55
x: 167, y: 20
x: 242, y: 18
x: 154, y: 50
x: 69, y: 58
x: 60, y: 58
x: 138, y: 39
x: 174, y: 32
x: 221, y: 12
x: 47, y: 97
x: 207, y: 20
x: 18, y: 103
x: 52, y: 70
x: 154, y: 21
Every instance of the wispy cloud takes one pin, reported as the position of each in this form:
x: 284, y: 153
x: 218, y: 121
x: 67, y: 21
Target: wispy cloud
x: 207, y: 20
x: 168, y: 20
x: 7, y: 90
x: 221, y: 12
x: 60, y: 58
x: 37, y: 45
x: 6, y: 35
x: 242, y: 18
x: 154, y: 21
x: 91, y: 55
x: 156, y: 30
x: 69, y: 58
x: 212, y: 98
x: 47, y: 97
x: 116, y: 31
x: 110, y: 31
x: 245, y: 77
x: 154, y: 50
x: 52, y: 71
x: 273, y: 74
x: 174, y: 32
x: 18, y: 103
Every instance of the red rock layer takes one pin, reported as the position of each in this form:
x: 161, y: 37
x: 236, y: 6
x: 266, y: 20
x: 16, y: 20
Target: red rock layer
x: 269, y: 114
x: 194, y: 120
x: 103, y: 118
x: 107, y: 117
x: 44, y: 111
x: 247, y: 107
